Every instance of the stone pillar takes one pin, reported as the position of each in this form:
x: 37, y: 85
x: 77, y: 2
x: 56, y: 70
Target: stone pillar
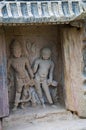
x: 72, y: 47
x: 4, y: 109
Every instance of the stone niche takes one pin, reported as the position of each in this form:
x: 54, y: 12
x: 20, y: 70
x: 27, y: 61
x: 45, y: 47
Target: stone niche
x: 32, y: 40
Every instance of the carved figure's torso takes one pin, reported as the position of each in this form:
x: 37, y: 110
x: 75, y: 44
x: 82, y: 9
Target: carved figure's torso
x: 18, y: 65
x: 44, y: 66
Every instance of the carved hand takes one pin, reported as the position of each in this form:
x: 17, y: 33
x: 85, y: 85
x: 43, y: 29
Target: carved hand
x: 49, y: 82
x: 32, y: 82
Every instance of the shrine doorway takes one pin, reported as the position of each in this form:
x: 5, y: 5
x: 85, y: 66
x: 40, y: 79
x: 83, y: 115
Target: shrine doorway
x: 66, y: 44
x: 33, y: 39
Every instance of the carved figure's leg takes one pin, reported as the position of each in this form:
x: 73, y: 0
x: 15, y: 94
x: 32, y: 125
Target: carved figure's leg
x: 24, y: 95
x: 32, y: 93
x: 39, y: 91
x: 17, y: 96
x: 35, y: 98
x: 47, y: 92
x: 25, y: 92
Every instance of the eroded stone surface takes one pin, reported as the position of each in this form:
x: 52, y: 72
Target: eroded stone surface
x: 43, y: 69
x: 40, y: 119
x: 23, y: 80
x: 35, y: 39
x: 31, y: 115
x: 42, y: 12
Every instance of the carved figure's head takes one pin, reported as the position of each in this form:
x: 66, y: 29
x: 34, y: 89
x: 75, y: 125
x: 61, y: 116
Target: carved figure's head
x: 16, y: 49
x: 46, y: 53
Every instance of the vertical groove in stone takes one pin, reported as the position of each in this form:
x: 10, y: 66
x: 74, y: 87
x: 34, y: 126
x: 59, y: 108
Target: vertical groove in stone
x: 14, y: 11
x: 19, y: 9
x: 8, y: 9
x: 80, y: 7
x: 24, y: 9
x: 65, y: 8
x: 45, y: 9
x: 34, y: 9
x: 75, y: 6
x: 50, y: 9
x: 4, y: 11
x: 70, y: 8
x: 29, y: 9
x: 83, y: 5
x: 60, y: 9
x: 39, y: 9
x: 55, y: 9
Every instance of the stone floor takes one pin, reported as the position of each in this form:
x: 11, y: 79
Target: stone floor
x: 49, y: 118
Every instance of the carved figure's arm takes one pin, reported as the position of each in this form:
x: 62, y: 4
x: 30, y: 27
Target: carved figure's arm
x: 51, y: 72
x: 8, y: 65
x: 29, y: 68
x: 9, y: 75
x: 36, y: 66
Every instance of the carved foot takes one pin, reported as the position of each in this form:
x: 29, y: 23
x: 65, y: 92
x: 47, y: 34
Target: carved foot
x: 22, y: 106
x: 54, y: 106
x: 33, y: 104
x: 14, y: 109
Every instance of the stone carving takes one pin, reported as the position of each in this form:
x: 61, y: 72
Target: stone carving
x: 23, y: 74
x: 68, y: 12
x: 31, y: 49
x: 34, y: 97
x: 43, y: 69
x: 31, y: 46
x: 31, y: 85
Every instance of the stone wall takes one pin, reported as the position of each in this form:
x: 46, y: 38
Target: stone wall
x: 0, y: 125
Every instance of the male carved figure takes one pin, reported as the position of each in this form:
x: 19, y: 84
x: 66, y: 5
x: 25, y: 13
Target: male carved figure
x: 23, y: 73
x: 43, y: 69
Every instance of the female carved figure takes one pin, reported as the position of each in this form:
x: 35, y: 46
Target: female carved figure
x: 43, y: 69
x: 23, y: 73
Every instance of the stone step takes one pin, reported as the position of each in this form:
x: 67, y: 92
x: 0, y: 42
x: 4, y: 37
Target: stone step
x: 29, y: 115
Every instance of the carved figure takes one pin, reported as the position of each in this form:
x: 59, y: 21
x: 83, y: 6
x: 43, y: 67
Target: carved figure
x: 23, y: 73
x: 34, y: 97
x: 43, y: 69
